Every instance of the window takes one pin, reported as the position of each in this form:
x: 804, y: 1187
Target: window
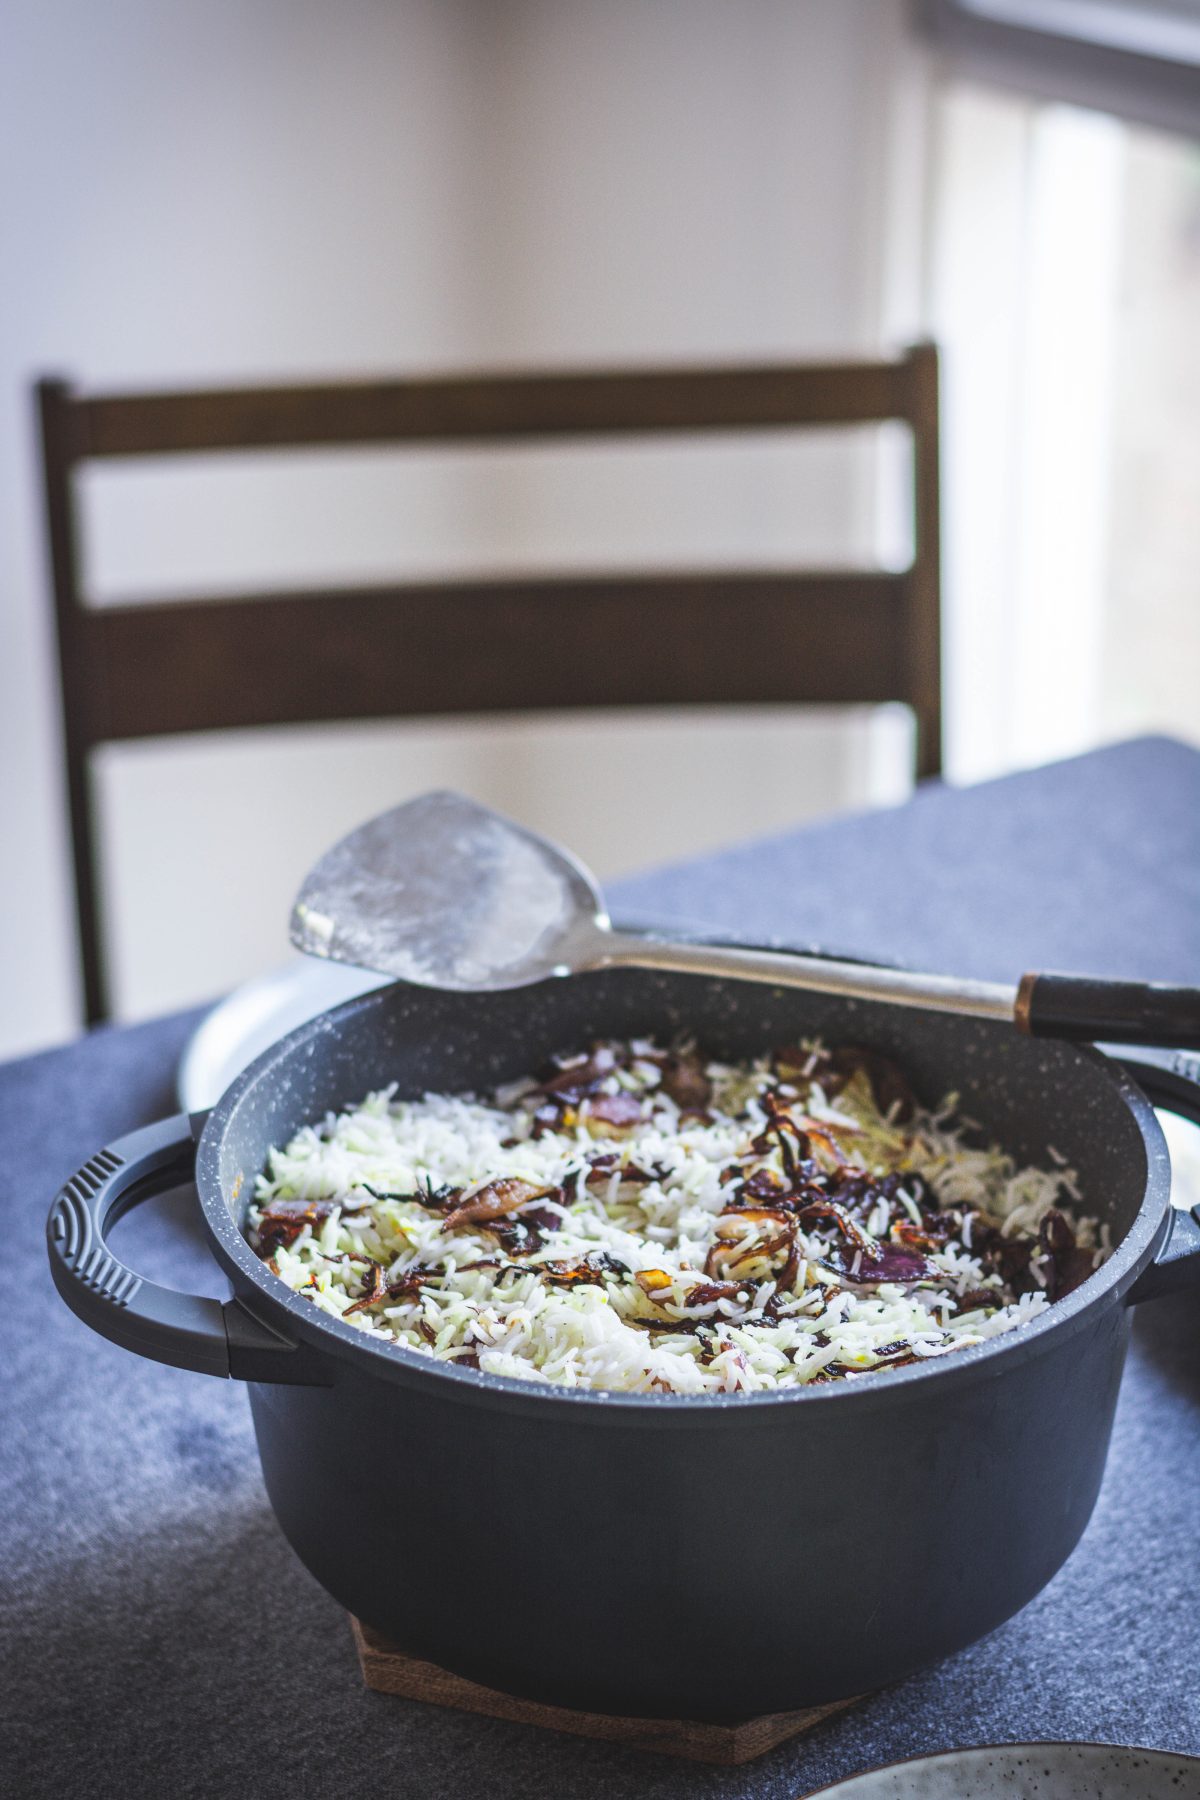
x: 1064, y: 286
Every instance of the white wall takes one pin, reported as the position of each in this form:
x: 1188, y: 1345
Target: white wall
x: 248, y: 189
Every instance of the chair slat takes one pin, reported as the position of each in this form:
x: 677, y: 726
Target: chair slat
x: 662, y: 640
x: 475, y: 410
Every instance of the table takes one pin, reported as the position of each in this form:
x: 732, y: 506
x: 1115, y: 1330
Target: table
x: 160, y: 1638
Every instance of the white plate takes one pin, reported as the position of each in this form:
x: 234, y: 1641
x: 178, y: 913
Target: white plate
x: 1028, y: 1772
x: 257, y: 1015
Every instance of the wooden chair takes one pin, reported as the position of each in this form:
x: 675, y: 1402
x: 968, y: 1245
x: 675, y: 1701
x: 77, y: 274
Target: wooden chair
x: 666, y: 638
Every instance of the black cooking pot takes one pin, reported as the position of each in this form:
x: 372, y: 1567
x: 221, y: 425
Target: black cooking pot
x: 705, y: 1557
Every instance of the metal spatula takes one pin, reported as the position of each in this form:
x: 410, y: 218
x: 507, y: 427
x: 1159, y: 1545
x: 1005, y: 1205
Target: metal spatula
x: 445, y: 893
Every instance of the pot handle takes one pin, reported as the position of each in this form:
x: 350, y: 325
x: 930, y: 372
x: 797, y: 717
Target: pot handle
x: 1170, y: 1079
x: 185, y: 1330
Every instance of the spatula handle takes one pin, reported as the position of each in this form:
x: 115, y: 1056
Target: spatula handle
x: 1080, y: 1007
x: 1084, y: 1007
x: 818, y: 974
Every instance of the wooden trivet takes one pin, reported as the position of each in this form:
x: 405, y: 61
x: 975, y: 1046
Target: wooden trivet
x: 390, y: 1671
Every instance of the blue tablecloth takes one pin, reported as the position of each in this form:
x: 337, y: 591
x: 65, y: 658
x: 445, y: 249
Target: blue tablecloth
x: 160, y: 1639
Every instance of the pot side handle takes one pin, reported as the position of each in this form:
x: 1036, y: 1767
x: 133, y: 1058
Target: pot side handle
x: 186, y: 1330
x: 1170, y: 1079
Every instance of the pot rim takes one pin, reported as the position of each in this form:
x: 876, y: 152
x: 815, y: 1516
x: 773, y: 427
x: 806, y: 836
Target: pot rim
x: 395, y: 1362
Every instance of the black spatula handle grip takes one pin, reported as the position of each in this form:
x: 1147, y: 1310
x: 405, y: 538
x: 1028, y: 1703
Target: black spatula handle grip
x: 1085, y: 1007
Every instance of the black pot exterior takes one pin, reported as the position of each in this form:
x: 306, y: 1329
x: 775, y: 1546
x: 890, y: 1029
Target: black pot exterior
x: 709, y: 1557
x: 810, y: 1556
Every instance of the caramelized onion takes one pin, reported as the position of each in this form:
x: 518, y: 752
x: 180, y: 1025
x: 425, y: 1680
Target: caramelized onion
x: 581, y: 1076
x: 726, y: 1253
x: 283, y: 1220
x: 831, y: 1209
x: 763, y: 1184
x: 884, y: 1263
x: 781, y: 1131
x: 617, y: 1111
x: 375, y: 1289
x: 591, y: 1269
x: 685, y: 1081
x: 494, y: 1200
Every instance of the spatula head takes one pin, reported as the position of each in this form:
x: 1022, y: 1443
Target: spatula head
x: 445, y: 893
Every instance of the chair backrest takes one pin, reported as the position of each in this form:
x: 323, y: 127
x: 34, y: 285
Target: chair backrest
x: 685, y: 638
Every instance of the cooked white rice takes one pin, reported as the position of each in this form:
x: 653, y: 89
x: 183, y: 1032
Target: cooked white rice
x: 357, y: 1205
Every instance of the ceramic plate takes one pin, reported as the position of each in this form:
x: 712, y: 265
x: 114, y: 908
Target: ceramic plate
x: 257, y: 1015
x: 1028, y: 1772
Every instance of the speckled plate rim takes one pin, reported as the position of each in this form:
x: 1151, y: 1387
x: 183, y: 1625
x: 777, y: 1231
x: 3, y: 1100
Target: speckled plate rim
x: 948, y: 1759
